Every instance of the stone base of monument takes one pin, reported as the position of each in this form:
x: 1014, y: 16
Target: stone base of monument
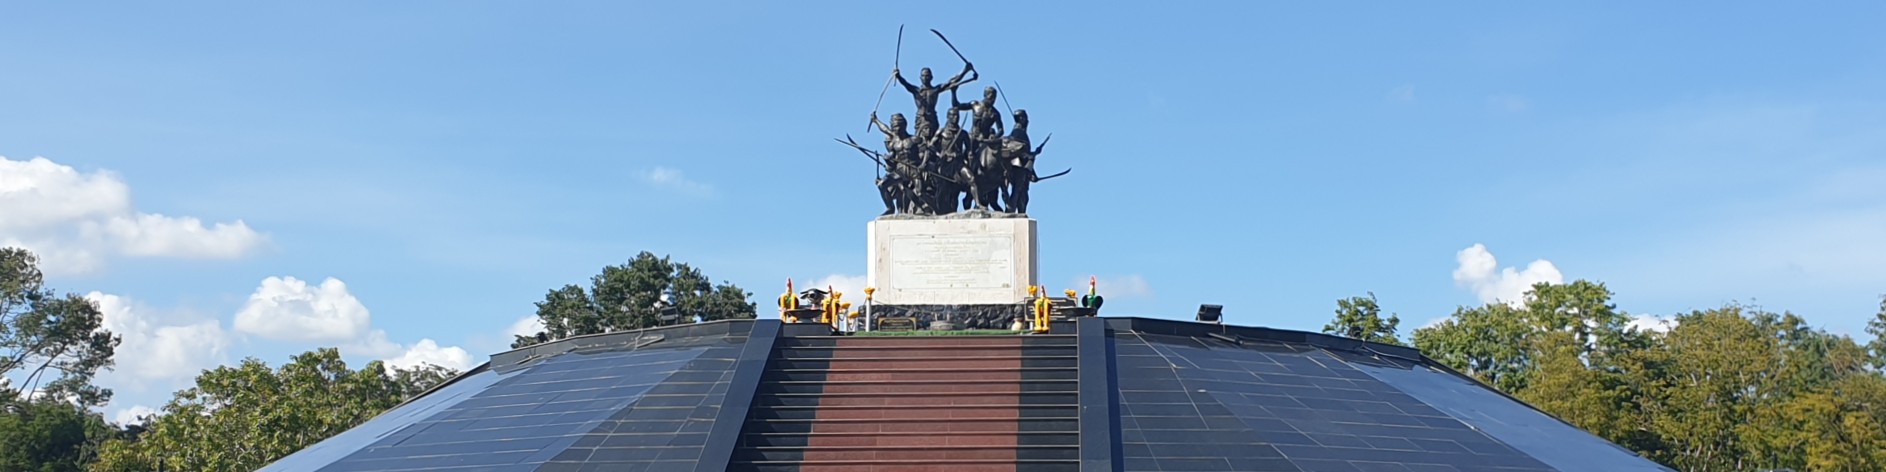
x: 969, y: 269
x: 962, y: 316
x: 967, y: 258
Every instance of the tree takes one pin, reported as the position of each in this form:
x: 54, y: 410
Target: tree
x: 48, y: 435
x: 1496, y: 342
x: 1584, y: 309
x: 49, y: 337
x: 1488, y: 343
x: 632, y: 295
x: 1716, y: 369
x: 1877, y: 328
x: 244, y: 417
x: 1360, y: 318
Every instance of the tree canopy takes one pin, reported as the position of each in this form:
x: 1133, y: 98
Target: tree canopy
x: 632, y: 295
x: 244, y: 417
x: 1361, y: 318
x: 48, y: 435
x: 1728, y: 388
x: 55, y: 343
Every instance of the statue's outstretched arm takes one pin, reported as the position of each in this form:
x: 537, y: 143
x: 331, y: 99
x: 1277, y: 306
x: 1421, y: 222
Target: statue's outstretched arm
x: 960, y: 106
x: 900, y: 79
x: 883, y: 128
x: 958, y: 80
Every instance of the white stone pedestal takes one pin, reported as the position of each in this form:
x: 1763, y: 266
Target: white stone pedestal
x: 952, y: 261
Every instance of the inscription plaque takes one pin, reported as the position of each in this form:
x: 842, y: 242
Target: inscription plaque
x: 897, y: 323
x: 952, y: 261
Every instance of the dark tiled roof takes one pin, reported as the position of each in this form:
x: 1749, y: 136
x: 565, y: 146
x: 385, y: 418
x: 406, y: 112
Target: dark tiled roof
x: 1245, y: 400
x: 1153, y: 395
x: 648, y: 397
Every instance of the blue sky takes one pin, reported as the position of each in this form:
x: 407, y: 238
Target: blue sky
x: 446, y: 163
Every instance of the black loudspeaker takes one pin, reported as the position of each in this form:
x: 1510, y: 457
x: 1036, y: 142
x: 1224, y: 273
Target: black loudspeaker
x: 1211, y: 314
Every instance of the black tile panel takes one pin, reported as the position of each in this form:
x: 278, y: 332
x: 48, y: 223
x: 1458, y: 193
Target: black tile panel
x: 1301, y: 405
x: 635, y: 401
x: 1167, y: 425
x: 1510, y: 427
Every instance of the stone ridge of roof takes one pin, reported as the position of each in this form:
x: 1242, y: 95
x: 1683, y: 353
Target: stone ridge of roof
x: 1240, y: 334
x: 629, y: 339
x: 632, y: 339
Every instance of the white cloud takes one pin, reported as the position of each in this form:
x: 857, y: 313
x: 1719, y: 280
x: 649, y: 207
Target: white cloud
x: 39, y: 192
x: 1113, y: 286
x: 1652, y: 323
x: 71, y: 398
x: 158, y: 235
x: 428, y: 352
x: 527, y: 326
x: 154, y: 349
x: 285, y: 308
x: 58, y: 257
x: 375, y: 345
x: 1402, y: 94
x: 288, y: 309
x: 74, y: 220
x: 1509, y: 103
x: 130, y: 415
x: 852, y: 286
x: 1480, y: 272
x: 673, y: 179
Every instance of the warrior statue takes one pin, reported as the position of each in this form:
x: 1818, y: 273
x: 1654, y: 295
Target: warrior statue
x: 924, y: 185
x: 956, y: 165
x: 985, y: 141
x: 899, y: 164
x: 927, y: 94
x: 1019, y: 160
x: 952, y: 151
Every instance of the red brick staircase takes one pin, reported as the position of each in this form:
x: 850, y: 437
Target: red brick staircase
x: 915, y: 403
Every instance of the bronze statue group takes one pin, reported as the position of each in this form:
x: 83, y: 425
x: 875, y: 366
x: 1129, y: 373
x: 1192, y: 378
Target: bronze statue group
x: 943, y: 167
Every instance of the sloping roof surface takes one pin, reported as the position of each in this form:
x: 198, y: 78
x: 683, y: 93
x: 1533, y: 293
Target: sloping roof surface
x: 1164, y: 396
x: 646, y: 399
x: 1238, y: 403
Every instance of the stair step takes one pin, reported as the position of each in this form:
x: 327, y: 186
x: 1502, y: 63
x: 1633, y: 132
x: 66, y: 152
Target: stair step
x: 919, y: 362
x: 923, y: 352
x: 916, y: 387
x: 930, y: 369
x: 934, y: 345
x: 1008, y: 425
x: 908, y: 448
x: 956, y: 358
x: 912, y: 438
x: 989, y: 338
x: 921, y: 373
x: 931, y: 453
x: 896, y: 404
x: 925, y: 407
x: 908, y: 399
x: 926, y: 464
x: 919, y: 466
x: 919, y: 433
x: 921, y: 381
x: 907, y: 394
x: 915, y: 413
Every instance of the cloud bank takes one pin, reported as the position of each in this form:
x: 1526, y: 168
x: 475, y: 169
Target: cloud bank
x: 1479, y: 271
x: 672, y: 179
x: 75, y: 221
x: 288, y: 309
